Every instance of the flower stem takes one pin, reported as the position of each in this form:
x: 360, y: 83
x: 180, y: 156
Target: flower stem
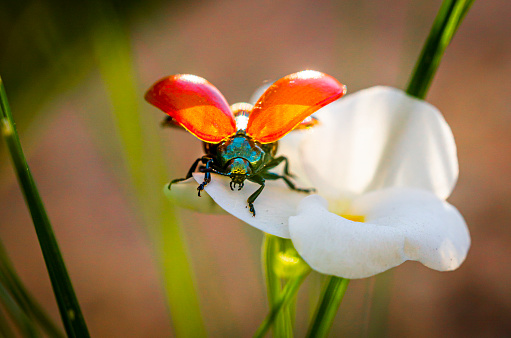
x: 67, y: 302
x: 331, y: 298
x: 447, y: 21
x: 271, y: 248
x: 287, y: 295
x: 444, y: 27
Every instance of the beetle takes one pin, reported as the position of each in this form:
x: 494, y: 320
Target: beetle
x: 240, y: 141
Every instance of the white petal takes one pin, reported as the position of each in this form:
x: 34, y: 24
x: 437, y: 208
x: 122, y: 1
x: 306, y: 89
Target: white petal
x: 400, y: 225
x: 436, y: 234
x: 376, y: 138
x: 273, y: 207
x: 184, y: 194
x: 336, y: 246
x: 289, y: 146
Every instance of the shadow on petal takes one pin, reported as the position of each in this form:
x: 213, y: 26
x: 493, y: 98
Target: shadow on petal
x: 184, y: 194
x: 273, y: 207
x: 334, y: 245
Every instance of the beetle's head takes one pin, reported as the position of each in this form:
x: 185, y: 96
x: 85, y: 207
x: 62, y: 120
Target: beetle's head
x: 238, y: 169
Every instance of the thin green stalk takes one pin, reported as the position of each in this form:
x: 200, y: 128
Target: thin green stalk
x: 271, y: 248
x: 444, y: 27
x: 67, y: 302
x: 5, y: 329
x: 10, y: 279
x: 447, y: 21
x: 287, y: 295
x: 331, y: 298
x: 18, y: 316
x: 378, y: 313
x: 146, y: 167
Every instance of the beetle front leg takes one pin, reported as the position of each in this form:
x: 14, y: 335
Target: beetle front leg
x: 207, y: 176
x: 260, y: 180
x: 202, y: 159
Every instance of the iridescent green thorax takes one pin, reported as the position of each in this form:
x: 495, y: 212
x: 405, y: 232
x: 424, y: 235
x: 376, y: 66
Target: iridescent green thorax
x: 241, y: 156
x: 240, y: 146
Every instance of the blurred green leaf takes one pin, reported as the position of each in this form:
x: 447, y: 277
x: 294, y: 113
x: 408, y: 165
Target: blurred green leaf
x: 66, y: 299
x: 146, y: 166
x: 12, y: 282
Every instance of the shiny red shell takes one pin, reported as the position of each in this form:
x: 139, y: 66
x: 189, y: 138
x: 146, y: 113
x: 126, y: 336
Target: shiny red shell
x: 200, y: 108
x: 196, y: 104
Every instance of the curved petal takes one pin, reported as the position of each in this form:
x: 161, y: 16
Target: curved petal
x: 288, y: 146
x: 334, y: 245
x: 400, y: 225
x: 273, y: 207
x: 184, y: 194
x: 436, y: 234
x: 377, y: 138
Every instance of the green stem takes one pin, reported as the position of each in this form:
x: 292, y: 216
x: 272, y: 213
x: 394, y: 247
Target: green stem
x: 5, y: 329
x: 144, y: 156
x: 10, y: 279
x: 67, y: 302
x: 18, y: 316
x: 447, y: 21
x: 271, y: 248
x: 444, y: 27
x: 331, y: 298
x: 378, y: 312
x: 287, y: 295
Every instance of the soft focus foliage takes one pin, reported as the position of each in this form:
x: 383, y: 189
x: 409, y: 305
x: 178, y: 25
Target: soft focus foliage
x: 63, y: 115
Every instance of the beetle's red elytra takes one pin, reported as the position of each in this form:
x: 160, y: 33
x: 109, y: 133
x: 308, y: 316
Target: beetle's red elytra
x: 240, y: 141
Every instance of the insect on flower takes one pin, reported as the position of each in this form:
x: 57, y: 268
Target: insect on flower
x: 241, y: 141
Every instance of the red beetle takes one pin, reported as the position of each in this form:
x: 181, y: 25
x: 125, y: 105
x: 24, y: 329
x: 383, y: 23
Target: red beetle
x: 241, y: 141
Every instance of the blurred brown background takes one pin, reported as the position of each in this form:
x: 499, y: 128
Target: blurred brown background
x: 58, y: 97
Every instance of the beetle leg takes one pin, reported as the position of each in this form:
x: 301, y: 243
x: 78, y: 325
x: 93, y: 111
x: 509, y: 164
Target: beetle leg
x: 276, y: 161
x: 207, y: 176
x: 260, y: 180
x: 290, y: 184
x: 202, y: 159
x: 207, y: 170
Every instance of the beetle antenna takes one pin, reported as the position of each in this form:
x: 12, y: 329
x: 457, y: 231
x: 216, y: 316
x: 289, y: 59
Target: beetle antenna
x: 230, y: 184
x: 241, y: 185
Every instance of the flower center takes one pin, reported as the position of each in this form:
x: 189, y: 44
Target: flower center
x: 341, y: 206
x: 354, y: 218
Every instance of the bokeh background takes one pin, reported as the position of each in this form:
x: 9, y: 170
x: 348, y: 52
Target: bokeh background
x: 75, y: 73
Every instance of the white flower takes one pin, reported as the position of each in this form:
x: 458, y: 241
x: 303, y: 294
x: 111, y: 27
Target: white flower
x: 383, y: 164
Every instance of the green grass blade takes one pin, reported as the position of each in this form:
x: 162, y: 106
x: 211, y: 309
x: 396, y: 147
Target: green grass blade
x: 67, y: 302
x: 10, y: 279
x: 5, y: 330
x: 271, y: 247
x: 446, y: 23
x: 287, y: 295
x: 331, y: 299
x: 378, y: 311
x: 146, y: 167
x: 18, y: 316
